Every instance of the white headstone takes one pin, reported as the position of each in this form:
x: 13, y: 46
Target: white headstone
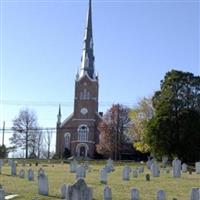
x: 2, y: 194
x: 107, y: 193
x: 103, y: 176
x: 134, y: 194
x: 79, y: 191
x: 176, y: 168
x: 43, y: 185
x: 30, y: 175
x: 126, y: 172
x: 73, y: 166
x: 195, y: 194
x: 63, y: 191
x: 22, y: 173
x: 161, y: 195
x: 155, y: 171
x: 80, y: 172
x: 13, y: 169
x: 184, y: 167
x: 197, y: 167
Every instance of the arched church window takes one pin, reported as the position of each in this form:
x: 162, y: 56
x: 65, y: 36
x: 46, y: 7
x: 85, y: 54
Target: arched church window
x: 88, y: 95
x: 67, y: 140
x: 85, y: 94
x: 81, y: 95
x: 83, y: 131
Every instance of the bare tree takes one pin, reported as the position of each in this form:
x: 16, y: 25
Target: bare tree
x: 23, y: 126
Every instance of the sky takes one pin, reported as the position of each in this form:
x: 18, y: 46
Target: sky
x: 135, y: 44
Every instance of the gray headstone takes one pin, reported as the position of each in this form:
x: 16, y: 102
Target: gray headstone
x: 155, y: 171
x: 73, y: 166
x: 10, y: 162
x: 2, y: 194
x: 176, y: 168
x: 195, y: 194
x: 63, y: 191
x: 13, y: 169
x: 134, y: 194
x: 22, y: 173
x: 164, y: 161
x: 197, y: 167
x: 1, y: 164
x: 107, y: 193
x: 103, y: 176
x: 149, y: 163
x: 30, y: 175
x: 135, y: 173
x: 109, y: 166
x: 184, y: 167
x: 126, y: 172
x: 161, y: 195
x: 79, y: 191
x: 41, y: 172
x: 80, y: 172
x: 141, y: 169
x: 43, y: 185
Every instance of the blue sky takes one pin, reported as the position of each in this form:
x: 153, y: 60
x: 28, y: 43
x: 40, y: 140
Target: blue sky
x: 136, y: 43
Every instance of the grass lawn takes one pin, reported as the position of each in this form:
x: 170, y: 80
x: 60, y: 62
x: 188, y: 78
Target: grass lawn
x: 58, y: 174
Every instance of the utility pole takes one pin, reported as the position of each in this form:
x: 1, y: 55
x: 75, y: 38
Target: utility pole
x: 3, y: 133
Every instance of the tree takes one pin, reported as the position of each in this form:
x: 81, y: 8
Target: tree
x: 23, y: 126
x: 140, y: 116
x: 112, y: 131
x: 3, y: 151
x: 174, y: 129
x: 48, y: 138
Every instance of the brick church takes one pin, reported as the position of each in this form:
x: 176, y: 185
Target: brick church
x: 78, y: 134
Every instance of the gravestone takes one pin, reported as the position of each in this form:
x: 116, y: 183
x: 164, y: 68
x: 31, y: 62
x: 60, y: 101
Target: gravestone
x: 22, y: 173
x: 103, y: 176
x: 147, y: 177
x: 161, y: 195
x: 149, y: 163
x: 109, y: 166
x: 176, y: 168
x: 80, y: 172
x: 2, y: 194
x: 10, y: 162
x: 135, y: 173
x: 164, y: 161
x: 79, y: 191
x: 30, y: 175
x: 184, y: 168
x: 107, y: 193
x: 13, y: 169
x: 135, y: 194
x: 195, y: 194
x: 155, y: 171
x: 73, y: 166
x: 126, y: 172
x: 43, y: 185
x: 41, y: 172
x: 141, y: 169
x: 63, y: 191
x: 197, y: 167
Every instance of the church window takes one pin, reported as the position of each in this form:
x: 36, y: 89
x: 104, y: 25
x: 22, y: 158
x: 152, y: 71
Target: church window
x: 67, y: 140
x: 81, y: 95
x: 83, y: 131
x: 88, y: 95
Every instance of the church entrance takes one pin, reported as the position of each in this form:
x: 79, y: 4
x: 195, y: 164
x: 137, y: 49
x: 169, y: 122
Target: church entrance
x: 82, y: 150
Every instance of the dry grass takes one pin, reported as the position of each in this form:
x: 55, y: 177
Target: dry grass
x: 58, y: 174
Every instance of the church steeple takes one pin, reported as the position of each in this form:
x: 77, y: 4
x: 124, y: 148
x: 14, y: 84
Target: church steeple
x: 87, y: 59
x: 59, y: 116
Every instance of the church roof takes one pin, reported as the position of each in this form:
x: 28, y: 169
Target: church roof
x: 87, y: 59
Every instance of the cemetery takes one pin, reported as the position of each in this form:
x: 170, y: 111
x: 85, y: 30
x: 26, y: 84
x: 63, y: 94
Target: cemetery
x: 87, y: 180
